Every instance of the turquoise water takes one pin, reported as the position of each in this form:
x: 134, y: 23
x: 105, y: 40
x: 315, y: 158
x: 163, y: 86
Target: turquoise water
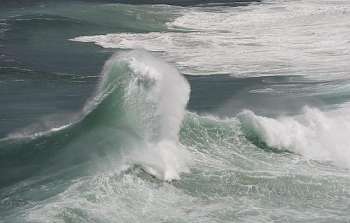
x: 218, y: 112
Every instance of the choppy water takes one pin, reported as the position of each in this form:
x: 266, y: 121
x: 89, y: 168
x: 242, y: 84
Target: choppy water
x: 186, y: 111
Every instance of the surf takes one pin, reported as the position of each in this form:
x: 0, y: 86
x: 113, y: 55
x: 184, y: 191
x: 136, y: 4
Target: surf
x: 134, y: 116
x: 154, y: 98
x: 314, y: 134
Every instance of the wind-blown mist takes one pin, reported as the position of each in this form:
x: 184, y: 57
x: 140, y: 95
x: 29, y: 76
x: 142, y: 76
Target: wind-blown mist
x: 154, y: 98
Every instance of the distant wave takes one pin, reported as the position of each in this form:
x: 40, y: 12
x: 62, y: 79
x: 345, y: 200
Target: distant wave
x: 248, y: 41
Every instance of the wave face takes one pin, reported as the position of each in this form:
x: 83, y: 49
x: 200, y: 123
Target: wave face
x: 153, y: 102
x: 141, y: 101
x: 314, y: 134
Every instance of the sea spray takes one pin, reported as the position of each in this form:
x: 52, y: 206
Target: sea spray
x: 315, y: 134
x: 133, y: 118
x: 154, y: 99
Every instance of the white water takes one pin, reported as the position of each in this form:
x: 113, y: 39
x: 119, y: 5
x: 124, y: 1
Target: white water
x: 154, y: 101
x: 109, y: 198
x: 269, y: 38
x: 314, y: 134
x: 232, y: 180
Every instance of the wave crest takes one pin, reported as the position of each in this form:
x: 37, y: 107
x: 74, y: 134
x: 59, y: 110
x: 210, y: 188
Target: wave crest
x: 155, y: 96
x: 314, y: 134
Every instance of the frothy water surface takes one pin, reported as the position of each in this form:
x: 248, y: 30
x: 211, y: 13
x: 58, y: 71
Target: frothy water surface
x: 255, y: 131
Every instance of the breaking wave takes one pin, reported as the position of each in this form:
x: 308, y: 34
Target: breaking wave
x: 136, y: 118
x: 137, y: 111
x: 314, y: 134
x: 136, y: 123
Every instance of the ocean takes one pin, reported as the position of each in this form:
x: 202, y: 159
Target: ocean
x: 174, y: 111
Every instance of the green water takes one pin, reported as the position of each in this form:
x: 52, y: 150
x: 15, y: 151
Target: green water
x: 155, y: 135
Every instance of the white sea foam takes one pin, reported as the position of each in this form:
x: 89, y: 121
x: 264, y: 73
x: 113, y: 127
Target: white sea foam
x: 109, y: 198
x: 314, y: 134
x: 154, y: 101
x: 271, y: 38
x: 153, y: 104
x: 47, y: 126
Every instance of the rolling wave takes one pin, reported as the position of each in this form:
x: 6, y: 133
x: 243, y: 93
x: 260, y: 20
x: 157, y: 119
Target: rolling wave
x: 139, y: 105
x: 314, y: 134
